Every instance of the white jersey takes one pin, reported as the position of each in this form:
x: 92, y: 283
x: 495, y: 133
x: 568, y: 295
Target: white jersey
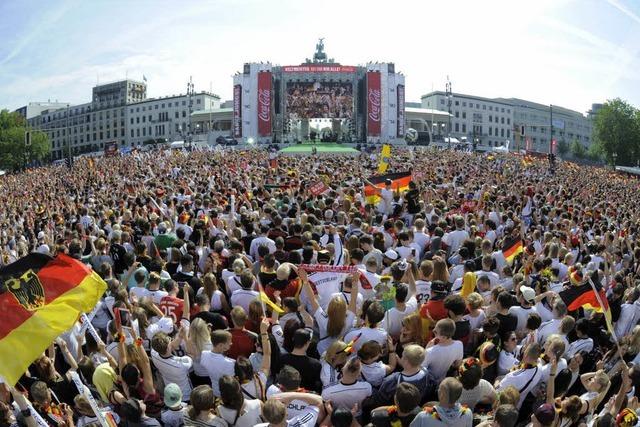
x: 346, y: 396
x: 174, y: 369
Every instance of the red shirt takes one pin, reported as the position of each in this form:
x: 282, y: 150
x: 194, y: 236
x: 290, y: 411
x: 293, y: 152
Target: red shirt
x: 292, y: 289
x: 243, y: 343
x: 172, y: 307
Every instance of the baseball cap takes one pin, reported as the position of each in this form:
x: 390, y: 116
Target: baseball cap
x: 545, y: 414
x: 391, y: 254
x: 41, y: 235
x: 172, y: 395
x: 528, y: 293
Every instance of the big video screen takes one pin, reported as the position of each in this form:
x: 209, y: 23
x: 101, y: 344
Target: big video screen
x: 311, y: 100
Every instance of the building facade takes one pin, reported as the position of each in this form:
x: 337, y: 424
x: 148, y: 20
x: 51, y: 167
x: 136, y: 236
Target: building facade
x: 118, y: 112
x: 488, y: 121
x: 166, y: 118
x: 547, y: 126
x: 34, y: 109
x: 524, y: 124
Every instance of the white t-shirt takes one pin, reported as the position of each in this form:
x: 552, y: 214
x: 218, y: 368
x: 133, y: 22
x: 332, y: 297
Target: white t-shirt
x: 423, y: 291
x: 328, y: 374
x: 506, y: 361
x: 438, y: 359
x: 346, y: 396
x: 306, y: 418
x: 138, y: 292
x: 249, y: 414
x: 392, y: 321
x: 522, y: 314
x: 156, y: 296
x: 217, y: 366
x: 548, y: 328
x: 322, y: 319
x: 524, y: 380
x: 174, y: 369
x: 327, y: 284
x: 296, y: 409
x: 483, y: 390
x: 373, y: 373
x: 585, y: 344
x: 243, y: 298
x: 368, y: 334
x: 476, y: 322
x: 198, y: 369
x: 455, y: 239
x: 347, y: 298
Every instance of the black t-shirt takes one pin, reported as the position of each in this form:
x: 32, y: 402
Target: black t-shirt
x: 117, y: 253
x: 413, y: 201
x: 508, y: 324
x: 309, y: 369
x: 217, y: 321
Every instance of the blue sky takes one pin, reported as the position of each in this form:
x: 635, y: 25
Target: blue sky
x: 565, y: 52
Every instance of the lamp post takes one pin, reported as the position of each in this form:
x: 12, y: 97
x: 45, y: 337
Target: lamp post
x: 615, y: 157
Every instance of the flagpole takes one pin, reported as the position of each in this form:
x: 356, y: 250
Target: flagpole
x: 607, y: 318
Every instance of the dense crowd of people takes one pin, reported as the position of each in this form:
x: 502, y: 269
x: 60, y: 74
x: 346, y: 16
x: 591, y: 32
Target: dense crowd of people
x: 253, y: 300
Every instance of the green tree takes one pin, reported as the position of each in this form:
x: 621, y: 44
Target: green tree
x: 563, y: 147
x: 616, y: 129
x: 577, y: 149
x: 13, y: 152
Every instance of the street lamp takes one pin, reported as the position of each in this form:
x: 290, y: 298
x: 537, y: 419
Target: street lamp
x: 615, y: 157
x: 449, y: 99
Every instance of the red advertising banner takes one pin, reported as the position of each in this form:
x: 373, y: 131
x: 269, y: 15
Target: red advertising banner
x: 264, y: 103
x: 374, y: 104
x: 318, y: 188
x: 237, y: 111
x: 319, y: 69
x: 400, y: 104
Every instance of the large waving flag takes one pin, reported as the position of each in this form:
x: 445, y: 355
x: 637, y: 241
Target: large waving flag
x: 511, y: 247
x: 399, y: 181
x: 40, y: 298
x: 590, y: 296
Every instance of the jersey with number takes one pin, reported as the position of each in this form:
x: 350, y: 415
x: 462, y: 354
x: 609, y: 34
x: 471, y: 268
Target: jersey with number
x: 172, y: 307
x: 423, y: 291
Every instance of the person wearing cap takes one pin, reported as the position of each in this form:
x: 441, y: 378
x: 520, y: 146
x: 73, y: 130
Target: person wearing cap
x: 173, y: 415
x: 526, y: 299
x: 543, y: 416
x: 389, y: 257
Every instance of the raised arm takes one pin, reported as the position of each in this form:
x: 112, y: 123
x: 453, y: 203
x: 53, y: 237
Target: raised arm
x: 313, y: 300
x: 266, y: 347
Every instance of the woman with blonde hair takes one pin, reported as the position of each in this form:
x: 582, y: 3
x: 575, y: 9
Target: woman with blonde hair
x: 332, y: 362
x: 440, y: 271
x: 338, y: 320
x: 210, y: 288
x: 198, y: 340
x: 411, y: 331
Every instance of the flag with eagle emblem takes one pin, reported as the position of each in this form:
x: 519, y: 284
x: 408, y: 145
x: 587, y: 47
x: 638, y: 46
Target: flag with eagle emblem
x: 40, y: 298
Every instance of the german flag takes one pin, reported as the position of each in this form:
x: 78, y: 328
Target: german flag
x: 399, y: 182
x: 587, y: 295
x: 40, y: 298
x: 511, y: 247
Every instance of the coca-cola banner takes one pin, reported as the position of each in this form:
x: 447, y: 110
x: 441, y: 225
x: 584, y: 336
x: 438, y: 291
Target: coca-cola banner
x: 400, y: 91
x: 264, y: 103
x: 374, y: 104
x: 319, y: 69
x: 237, y: 111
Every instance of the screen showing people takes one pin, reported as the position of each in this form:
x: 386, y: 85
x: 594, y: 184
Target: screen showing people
x: 329, y: 100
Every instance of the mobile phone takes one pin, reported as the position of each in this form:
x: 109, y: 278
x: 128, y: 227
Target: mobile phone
x: 123, y: 317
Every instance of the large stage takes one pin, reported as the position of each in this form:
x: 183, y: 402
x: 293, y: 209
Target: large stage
x: 323, y: 148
